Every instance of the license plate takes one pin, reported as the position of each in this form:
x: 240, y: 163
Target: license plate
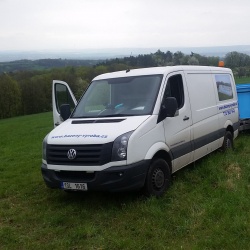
x: 74, y: 186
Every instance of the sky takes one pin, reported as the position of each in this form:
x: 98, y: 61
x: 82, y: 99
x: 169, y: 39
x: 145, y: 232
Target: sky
x: 102, y: 24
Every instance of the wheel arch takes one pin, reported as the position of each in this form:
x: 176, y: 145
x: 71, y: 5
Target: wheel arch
x: 229, y: 126
x: 162, y: 154
x: 230, y: 129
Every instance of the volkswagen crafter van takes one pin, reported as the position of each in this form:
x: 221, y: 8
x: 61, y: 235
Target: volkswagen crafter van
x: 132, y: 129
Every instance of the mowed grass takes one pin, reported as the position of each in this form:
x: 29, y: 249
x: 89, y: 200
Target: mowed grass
x: 244, y: 79
x: 206, y: 207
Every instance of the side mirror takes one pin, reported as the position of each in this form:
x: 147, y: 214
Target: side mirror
x: 65, y: 111
x: 169, y: 108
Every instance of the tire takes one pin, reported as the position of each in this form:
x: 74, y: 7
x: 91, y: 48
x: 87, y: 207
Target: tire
x: 228, y: 141
x: 158, y: 178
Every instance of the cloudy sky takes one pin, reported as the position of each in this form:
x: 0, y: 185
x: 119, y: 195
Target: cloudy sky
x: 83, y: 24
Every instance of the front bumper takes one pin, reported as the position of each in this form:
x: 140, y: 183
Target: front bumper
x: 114, y: 179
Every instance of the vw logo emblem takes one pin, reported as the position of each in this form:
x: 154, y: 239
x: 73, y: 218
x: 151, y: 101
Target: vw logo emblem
x: 71, y: 154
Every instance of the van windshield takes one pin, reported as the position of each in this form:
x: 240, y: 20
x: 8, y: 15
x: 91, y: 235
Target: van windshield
x: 125, y: 96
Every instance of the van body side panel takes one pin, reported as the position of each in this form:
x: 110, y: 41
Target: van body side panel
x: 205, y: 128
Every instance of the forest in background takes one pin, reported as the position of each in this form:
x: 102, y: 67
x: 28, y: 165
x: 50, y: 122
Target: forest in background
x: 24, y: 91
x: 43, y: 64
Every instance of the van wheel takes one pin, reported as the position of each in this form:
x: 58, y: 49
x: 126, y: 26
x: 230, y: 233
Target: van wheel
x: 228, y: 141
x: 158, y: 178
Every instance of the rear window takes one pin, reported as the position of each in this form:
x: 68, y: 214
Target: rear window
x: 224, y: 87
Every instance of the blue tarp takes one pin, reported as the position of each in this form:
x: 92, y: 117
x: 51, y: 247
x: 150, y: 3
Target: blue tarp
x: 243, y: 91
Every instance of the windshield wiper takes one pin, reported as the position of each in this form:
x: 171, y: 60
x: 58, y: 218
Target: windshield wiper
x: 101, y: 116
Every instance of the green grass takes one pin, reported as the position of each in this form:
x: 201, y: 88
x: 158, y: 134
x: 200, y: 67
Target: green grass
x: 207, y: 206
x: 242, y: 80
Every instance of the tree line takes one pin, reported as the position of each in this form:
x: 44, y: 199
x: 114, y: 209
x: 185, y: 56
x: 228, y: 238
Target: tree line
x: 43, y: 64
x: 28, y: 92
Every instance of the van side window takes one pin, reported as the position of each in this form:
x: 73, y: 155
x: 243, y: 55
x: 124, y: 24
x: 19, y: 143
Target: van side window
x: 224, y: 87
x: 174, y: 88
x: 63, y: 97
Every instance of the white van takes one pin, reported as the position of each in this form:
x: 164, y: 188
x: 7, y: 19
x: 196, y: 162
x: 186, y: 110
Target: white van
x: 132, y: 129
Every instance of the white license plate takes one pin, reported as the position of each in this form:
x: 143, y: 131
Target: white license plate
x: 74, y: 186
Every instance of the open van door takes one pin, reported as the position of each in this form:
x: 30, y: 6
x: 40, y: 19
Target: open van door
x: 61, y: 94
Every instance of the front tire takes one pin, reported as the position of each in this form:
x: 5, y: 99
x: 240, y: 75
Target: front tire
x: 158, y: 178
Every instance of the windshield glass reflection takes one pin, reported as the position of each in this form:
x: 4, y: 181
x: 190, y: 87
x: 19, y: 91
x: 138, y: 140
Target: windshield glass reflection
x: 126, y: 96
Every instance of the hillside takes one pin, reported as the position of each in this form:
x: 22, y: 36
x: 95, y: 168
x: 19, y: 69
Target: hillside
x: 43, y: 64
x: 103, y: 54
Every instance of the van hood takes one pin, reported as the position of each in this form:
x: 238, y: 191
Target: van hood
x: 93, y: 131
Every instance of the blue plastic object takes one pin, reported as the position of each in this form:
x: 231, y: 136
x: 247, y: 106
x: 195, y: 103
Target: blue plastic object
x: 243, y: 91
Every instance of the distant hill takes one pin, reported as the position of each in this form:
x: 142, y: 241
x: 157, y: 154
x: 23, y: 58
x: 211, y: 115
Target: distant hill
x: 12, y: 61
x: 42, y: 64
x: 102, y: 54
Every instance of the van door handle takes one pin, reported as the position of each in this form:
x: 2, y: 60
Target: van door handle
x: 56, y: 124
x: 185, y: 118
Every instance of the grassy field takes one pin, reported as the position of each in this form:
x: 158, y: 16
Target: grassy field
x: 207, y: 206
x: 242, y: 80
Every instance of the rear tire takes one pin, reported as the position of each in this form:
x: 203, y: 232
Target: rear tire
x: 158, y: 178
x: 228, y: 141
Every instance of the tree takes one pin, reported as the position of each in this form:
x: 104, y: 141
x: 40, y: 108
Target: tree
x: 9, y: 97
x: 241, y: 71
x: 177, y: 57
x: 212, y: 61
x: 193, y: 61
x: 235, y: 59
x: 159, y: 58
x: 168, y: 57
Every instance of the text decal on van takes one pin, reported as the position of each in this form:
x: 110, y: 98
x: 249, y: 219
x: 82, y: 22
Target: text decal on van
x: 230, y: 105
x: 228, y: 112
x: 228, y: 109
x: 79, y: 136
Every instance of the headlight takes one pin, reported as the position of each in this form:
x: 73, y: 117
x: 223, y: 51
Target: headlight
x: 44, y: 146
x: 119, y: 151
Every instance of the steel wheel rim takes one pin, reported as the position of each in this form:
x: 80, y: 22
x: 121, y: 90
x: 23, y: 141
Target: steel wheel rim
x: 158, y: 178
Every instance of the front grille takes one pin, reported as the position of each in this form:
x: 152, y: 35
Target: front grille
x: 74, y: 176
x: 86, y: 155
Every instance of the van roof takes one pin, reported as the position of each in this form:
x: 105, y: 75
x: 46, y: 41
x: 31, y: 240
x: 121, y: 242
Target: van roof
x: 160, y: 70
